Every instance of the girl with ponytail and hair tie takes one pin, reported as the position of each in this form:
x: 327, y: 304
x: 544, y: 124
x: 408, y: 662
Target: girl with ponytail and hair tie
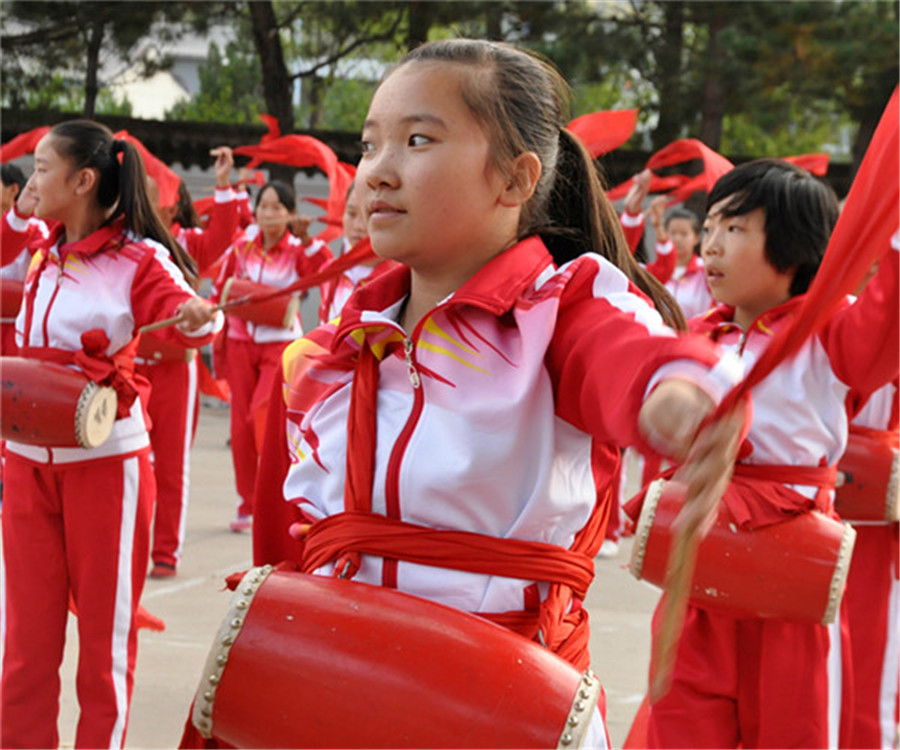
x: 484, y: 386
x: 77, y: 519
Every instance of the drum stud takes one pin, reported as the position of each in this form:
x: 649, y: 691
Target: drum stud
x: 584, y: 694
x: 236, y: 622
x: 221, y: 659
x: 248, y: 590
x: 206, y: 712
x: 227, y: 640
x: 573, y: 721
x: 241, y: 604
x: 579, y: 706
x: 213, y: 679
x: 566, y: 739
x: 208, y: 696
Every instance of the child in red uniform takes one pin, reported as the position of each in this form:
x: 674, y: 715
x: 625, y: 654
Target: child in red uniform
x: 78, y: 519
x: 173, y: 371
x: 267, y: 253
x: 766, y: 682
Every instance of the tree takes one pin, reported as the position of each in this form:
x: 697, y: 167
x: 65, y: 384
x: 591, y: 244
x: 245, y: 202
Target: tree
x: 68, y: 36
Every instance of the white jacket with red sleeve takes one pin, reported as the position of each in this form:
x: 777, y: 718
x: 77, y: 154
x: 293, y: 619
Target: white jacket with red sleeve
x: 111, y: 281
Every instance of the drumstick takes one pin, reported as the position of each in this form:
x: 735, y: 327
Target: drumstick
x: 359, y: 253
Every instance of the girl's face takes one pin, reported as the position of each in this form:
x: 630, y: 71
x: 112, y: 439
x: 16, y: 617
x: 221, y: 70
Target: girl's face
x: 354, y: 218
x: 54, y: 181
x: 433, y: 197
x: 737, y: 270
x: 684, y: 238
x: 272, y: 214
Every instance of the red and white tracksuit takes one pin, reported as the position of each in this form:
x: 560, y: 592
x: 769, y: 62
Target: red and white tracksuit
x: 174, y: 396
x: 495, y: 422
x: 336, y: 292
x: 872, y: 602
x: 252, y: 350
x: 75, y: 519
x: 768, y: 682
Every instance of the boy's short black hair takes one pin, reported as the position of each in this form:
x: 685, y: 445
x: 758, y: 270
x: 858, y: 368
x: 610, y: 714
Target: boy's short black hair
x: 800, y: 211
x: 10, y: 174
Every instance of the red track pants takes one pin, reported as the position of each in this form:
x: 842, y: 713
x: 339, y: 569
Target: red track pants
x: 250, y: 370
x: 173, y: 410
x: 751, y: 683
x: 83, y: 528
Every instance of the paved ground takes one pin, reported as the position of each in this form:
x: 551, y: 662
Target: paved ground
x: 193, y: 604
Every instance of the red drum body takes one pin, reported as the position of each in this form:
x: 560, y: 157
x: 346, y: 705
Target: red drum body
x: 49, y: 404
x: 156, y: 349
x: 870, y: 468
x: 279, y: 312
x: 315, y: 662
x: 11, y: 292
x: 794, y: 570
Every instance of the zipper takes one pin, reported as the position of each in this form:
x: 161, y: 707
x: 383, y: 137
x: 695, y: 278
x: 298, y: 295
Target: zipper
x: 410, y: 365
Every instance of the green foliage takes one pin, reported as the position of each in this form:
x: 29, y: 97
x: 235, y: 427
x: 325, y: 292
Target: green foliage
x: 343, y: 107
x: 230, y: 89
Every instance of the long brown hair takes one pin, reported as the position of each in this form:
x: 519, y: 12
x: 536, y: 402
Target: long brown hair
x: 122, y: 187
x: 522, y: 103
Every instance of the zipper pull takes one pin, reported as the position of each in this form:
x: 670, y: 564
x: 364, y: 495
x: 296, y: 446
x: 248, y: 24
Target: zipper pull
x: 410, y: 365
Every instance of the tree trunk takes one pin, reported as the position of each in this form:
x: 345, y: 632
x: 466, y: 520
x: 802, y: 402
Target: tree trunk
x: 712, y: 109
x: 91, y: 84
x: 670, y: 97
x: 419, y: 23
x: 493, y: 21
x: 276, y: 81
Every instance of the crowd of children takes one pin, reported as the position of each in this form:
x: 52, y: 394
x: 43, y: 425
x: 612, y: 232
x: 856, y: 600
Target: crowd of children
x: 474, y: 381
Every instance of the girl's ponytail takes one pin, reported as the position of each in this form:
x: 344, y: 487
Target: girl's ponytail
x: 121, y: 185
x: 579, y: 218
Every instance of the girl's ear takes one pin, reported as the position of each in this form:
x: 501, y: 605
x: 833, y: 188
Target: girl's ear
x: 85, y: 180
x: 523, y: 178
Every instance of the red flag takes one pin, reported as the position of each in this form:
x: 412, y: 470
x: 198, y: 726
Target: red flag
x: 817, y: 164
x: 306, y: 151
x: 166, y: 180
x: 274, y: 129
x: 602, y: 132
x: 863, y: 233
x: 22, y: 144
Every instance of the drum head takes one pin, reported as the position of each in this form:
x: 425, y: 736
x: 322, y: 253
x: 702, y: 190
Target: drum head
x: 95, y: 415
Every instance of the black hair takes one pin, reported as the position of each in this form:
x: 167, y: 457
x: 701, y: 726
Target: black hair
x: 185, y: 213
x: 10, y: 174
x: 800, y: 213
x: 121, y: 187
x: 286, y: 195
x: 521, y: 101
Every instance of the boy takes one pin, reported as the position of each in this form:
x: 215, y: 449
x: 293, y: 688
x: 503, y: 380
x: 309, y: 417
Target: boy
x: 768, y: 682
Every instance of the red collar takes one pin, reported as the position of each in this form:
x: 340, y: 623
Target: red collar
x: 96, y: 242
x: 495, y: 287
x: 720, y: 319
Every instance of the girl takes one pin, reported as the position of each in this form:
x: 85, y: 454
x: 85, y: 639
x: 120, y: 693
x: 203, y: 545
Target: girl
x: 267, y: 253
x: 753, y: 682
x: 480, y: 390
x: 337, y: 291
x: 78, y: 519
x: 173, y: 370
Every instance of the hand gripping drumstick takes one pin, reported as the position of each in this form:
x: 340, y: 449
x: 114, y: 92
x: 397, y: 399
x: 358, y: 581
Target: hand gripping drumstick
x: 359, y: 253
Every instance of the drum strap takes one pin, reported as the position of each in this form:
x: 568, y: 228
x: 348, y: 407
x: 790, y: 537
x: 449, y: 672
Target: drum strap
x: 890, y: 438
x: 116, y: 371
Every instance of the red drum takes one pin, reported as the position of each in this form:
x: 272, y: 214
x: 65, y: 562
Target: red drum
x: 793, y: 570
x: 869, y: 467
x: 156, y: 349
x: 44, y: 403
x: 11, y: 292
x: 310, y: 661
x: 278, y: 311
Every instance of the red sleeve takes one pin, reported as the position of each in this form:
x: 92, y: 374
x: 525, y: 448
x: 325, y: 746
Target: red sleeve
x: 15, y: 235
x: 663, y: 266
x: 609, y: 347
x: 633, y: 227
x: 312, y: 257
x: 863, y: 339
x: 225, y: 272
x: 157, y: 290
x: 206, y: 246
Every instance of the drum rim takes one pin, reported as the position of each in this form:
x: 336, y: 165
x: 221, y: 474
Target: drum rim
x: 890, y: 505
x: 645, y: 524
x: 91, y: 392
x: 581, y: 712
x: 217, y: 658
x: 839, y: 577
